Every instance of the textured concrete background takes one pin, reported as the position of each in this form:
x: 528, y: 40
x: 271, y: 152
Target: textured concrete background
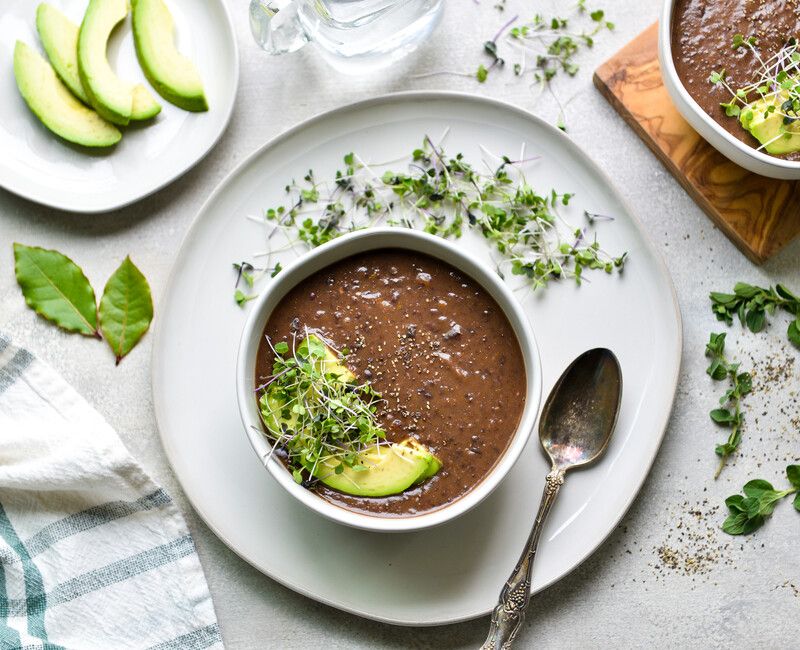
x: 667, y: 576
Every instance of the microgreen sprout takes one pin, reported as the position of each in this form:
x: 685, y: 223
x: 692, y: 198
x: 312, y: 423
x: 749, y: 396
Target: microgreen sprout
x: 315, y: 411
x: 773, y: 89
x: 443, y: 196
x: 549, y: 44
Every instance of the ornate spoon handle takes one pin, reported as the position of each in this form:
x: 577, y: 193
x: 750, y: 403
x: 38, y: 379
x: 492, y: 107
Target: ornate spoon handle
x: 507, y: 617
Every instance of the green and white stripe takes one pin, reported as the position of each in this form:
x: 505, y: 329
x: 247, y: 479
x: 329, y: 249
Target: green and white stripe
x: 93, y: 554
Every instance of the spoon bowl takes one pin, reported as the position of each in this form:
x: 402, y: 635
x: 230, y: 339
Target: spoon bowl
x: 581, y: 411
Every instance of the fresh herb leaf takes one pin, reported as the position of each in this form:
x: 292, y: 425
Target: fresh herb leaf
x: 241, y: 298
x: 730, y: 413
x: 749, y: 511
x: 751, y: 305
x: 56, y: 289
x: 126, y: 308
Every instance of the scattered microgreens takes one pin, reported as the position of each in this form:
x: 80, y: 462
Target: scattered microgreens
x: 247, y: 273
x: 748, y: 512
x: 312, y: 414
x: 729, y: 414
x: 776, y: 83
x: 551, y: 44
x: 442, y: 195
x: 751, y: 304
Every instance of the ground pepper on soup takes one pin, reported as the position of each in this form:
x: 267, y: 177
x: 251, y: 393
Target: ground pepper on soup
x: 436, y: 346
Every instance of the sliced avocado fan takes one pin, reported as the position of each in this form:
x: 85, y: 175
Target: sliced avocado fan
x: 767, y: 125
x: 114, y: 99
x: 381, y: 470
x: 53, y: 103
x: 171, y: 74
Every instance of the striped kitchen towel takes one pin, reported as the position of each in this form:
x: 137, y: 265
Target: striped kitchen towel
x: 93, y: 554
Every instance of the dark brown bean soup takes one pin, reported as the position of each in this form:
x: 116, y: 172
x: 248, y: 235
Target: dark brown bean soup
x: 437, y: 347
x: 702, y: 37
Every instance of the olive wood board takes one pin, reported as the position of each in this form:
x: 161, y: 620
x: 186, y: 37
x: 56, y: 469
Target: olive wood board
x: 759, y: 215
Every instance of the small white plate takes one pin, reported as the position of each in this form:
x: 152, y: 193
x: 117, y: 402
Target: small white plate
x: 453, y: 572
x: 39, y: 166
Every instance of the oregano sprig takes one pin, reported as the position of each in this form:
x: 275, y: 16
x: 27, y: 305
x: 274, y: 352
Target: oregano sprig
x: 748, y: 511
x: 751, y: 305
x: 729, y: 413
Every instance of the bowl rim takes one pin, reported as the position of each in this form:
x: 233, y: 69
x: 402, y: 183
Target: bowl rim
x: 342, y: 248
x: 668, y: 68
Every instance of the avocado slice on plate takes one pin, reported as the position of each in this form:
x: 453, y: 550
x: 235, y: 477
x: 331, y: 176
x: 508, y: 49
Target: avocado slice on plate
x: 114, y: 99
x: 768, y: 127
x: 53, y: 103
x: 173, y: 76
x: 59, y: 36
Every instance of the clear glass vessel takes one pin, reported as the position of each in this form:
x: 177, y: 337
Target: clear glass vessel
x: 354, y: 36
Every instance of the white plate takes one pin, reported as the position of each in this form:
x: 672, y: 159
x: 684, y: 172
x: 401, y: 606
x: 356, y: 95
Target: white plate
x: 39, y: 166
x: 453, y: 572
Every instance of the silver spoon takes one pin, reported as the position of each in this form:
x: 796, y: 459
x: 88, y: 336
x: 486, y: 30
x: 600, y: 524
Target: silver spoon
x: 574, y: 429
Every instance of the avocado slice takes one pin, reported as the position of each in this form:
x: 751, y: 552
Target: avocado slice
x: 59, y: 36
x: 381, y: 470
x: 434, y: 464
x: 53, y: 103
x: 173, y: 76
x: 768, y: 128
x: 387, y: 469
x: 110, y: 96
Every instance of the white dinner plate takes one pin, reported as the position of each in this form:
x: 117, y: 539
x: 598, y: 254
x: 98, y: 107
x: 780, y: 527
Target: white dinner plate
x: 40, y: 166
x: 453, y: 572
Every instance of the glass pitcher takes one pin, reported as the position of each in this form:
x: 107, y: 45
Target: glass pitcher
x: 354, y: 36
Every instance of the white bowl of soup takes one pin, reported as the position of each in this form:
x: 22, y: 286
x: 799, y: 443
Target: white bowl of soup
x: 416, y: 331
x: 732, y: 40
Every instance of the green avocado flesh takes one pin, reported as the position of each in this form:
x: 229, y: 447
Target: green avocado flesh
x: 114, y: 99
x: 391, y: 468
x: 171, y: 74
x: 55, y: 105
x: 59, y: 36
x: 768, y: 128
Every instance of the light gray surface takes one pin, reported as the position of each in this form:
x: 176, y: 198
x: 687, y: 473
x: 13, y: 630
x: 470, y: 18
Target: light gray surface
x: 667, y: 576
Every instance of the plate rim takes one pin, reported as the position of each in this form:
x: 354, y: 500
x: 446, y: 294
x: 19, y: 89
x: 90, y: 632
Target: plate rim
x: 385, y: 98
x: 44, y: 200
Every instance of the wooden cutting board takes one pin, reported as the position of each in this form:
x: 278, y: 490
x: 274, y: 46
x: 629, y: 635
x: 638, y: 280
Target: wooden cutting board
x: 760, y: 215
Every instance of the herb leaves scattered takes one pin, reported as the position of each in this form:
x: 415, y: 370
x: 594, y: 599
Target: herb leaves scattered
x: 443, y: 196
x: 729, y: 414
x: 126, y: 308
x: 749, y: 511
x: 58, y: 290
x: 751, y: 305
x: 545, y: 46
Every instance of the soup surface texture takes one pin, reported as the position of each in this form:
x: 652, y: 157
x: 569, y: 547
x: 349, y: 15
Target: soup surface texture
x: 437, y: 347
x: 702, y: 42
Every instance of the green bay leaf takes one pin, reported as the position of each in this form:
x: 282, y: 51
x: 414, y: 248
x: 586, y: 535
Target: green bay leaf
x: 126, y: 308
x: 56, y: 288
